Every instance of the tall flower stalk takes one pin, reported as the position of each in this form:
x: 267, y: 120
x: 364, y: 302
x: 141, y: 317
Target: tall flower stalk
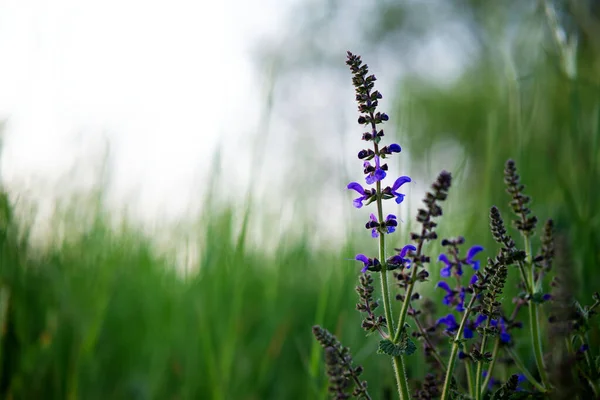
x: 375, y: 171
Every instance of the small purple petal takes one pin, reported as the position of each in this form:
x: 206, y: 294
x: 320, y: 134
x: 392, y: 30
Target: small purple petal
x: 380, y: 174
x: 444, y: 259
x: 374, y: 233
x: 390, y: 216
x: 372, y: 217
x: 472, y: 251
x: 473, y: 279
x: 467, y: 333
x: 356, y: 186
x: 480, y: 320
x: 444, y: 285
x: 391, y: 229
x: 475, y: 265
x: 358, y: 202
x: 445, y: 272
x: 394, y: 148
x: 505, y: 337
x: 400, y: 181
x: 370, y: 179
x: 406, y: 249
x: 448, y: 320
x: 399, y: 198
x: 362, y: 257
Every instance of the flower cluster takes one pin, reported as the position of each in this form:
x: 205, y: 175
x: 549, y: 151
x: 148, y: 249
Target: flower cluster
x: 374, y: 169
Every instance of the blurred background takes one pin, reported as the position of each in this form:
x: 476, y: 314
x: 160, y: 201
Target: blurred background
x: 174, y: 217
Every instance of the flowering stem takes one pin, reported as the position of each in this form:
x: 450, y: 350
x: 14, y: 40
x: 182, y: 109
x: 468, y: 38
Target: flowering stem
x: 454, y: 351
x: 398, y: 362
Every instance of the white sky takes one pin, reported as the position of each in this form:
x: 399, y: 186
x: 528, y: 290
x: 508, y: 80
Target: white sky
x: 161, y: 81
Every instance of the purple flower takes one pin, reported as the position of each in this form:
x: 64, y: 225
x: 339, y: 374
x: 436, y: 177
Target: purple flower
x: 358, y: 202
x: 368, y: 262
x: 374, y: 174
x: 450, y: 321
x: 400, y: 258
x: 504, y: 335
x: 446, y: 271
x: 470, y: 254
x: 391, y: 223
x: 452, y: 326
x: 399, y: 182
x: 373, y: 225
x: 449, y: 297
x: 394, y: 148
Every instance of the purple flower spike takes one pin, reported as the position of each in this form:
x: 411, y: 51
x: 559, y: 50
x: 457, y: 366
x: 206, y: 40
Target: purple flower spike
x: 399, y: 182
x: 446, y: 271
x: 471, y: 253
x: 394, y: 148
x: 358, y: 187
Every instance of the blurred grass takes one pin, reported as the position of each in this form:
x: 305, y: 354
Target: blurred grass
x: 101, y: 315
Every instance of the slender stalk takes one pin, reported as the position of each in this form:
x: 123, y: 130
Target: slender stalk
x: 425, y: 337
x: 469, y: 373
x: 397, y: 362
x: 534, y: 319
x: 495, y: 352
x: 525, y: 371
x: 454, y: 351
x: 406, y: 302
x: 478, y: 394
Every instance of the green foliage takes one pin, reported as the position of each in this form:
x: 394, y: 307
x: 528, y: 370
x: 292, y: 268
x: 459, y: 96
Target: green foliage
x: 104, y: 316
x: 404, y: 347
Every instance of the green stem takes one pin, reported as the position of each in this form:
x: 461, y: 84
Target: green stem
x: 469, y: 373
x: 525, y: 371
x: 425, y: 337
x: 495, y: 352
x: 534, y: 322
x: 480, y: 363
x: 406, y: 302
x: 397, y: 362
x: 454, y: 351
